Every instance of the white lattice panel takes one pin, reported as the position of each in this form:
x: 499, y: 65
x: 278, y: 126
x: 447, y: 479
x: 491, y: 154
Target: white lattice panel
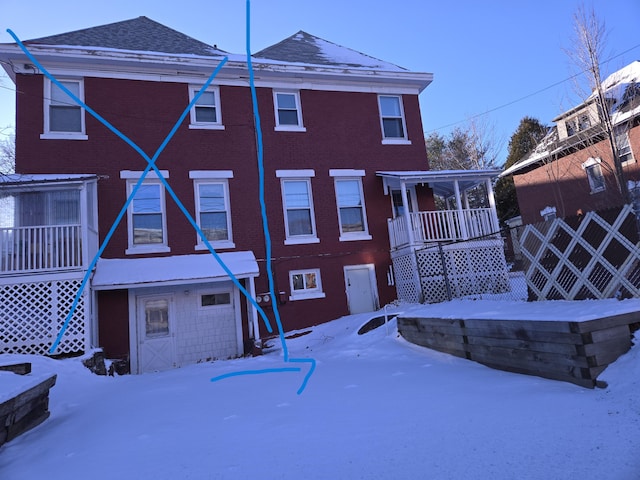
x: 32, y: 315
x: 472, y: 268
x: 404, y: 268
x: 595, y: 260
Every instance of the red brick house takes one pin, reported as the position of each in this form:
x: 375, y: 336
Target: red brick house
x: 572, y: 168
x: 331, y: 120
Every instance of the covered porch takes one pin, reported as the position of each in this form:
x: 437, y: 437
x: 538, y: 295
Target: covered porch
x: 459, y: 221
x: 48, y: 223
x: 452, y: 252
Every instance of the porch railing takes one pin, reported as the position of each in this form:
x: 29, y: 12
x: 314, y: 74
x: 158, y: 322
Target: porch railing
x: 442, y: 225
x: 40, y: 248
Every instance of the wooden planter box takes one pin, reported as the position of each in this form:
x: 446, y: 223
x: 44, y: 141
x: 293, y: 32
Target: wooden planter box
x: 27, y: 406
x: 575, y: 352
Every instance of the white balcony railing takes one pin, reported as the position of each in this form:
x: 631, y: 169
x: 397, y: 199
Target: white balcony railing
x: 442, y: 225
x: 48, y: 248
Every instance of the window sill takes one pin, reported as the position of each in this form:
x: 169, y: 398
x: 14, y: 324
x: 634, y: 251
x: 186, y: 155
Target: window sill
x: 216, y: 246
x: 355, y: 237
x: 147, y: 249
x: 63, y: 136
x: 300, y: 241
x: 306, y: 296
x: 205, y: 126
x: 289, y: 128
x: 396, y: 141
x: 598, y: 190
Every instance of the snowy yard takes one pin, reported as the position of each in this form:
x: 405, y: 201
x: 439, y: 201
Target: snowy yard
x: 376, y: 407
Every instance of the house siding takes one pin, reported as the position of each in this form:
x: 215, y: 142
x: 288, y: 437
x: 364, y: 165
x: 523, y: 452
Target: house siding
x: 342, y: 132
x: 564, y: 184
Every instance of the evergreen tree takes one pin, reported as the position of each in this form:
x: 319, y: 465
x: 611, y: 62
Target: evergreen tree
x: 524, y: 140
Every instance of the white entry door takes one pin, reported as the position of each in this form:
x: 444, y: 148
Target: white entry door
x: 156, y: 349
x: 362, y: 294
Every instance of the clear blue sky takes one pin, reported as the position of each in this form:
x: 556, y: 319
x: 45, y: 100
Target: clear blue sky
x: 503, y: 57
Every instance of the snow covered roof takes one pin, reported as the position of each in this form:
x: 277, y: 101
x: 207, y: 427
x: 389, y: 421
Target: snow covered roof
x: 138, y: 34
x: 621, y: 88
x: 303, y: 47
x: 120, y: 273
x: 24, y: 178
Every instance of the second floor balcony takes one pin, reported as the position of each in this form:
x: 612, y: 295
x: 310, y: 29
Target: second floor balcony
x: 412, y: 227
x: 440, y: 226
x: 48, y: 223
x: 40, y: 248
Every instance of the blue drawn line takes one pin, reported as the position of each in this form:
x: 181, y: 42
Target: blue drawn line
x: 265, y: 228
x: 255, y: 372
x: 267, y: 235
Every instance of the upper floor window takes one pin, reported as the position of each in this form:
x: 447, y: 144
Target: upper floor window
x: 213, y: 212
x: 578, y: 124
x: 624, y: 147
x: 288, y: 111
x: 297, y: 201
x: 548, y: 213
x: 206, y: 112
x: 392, y: 120
x: 146, y: 215
x: 352, y: 217
x: 594, y: 174
x: 63, y: 117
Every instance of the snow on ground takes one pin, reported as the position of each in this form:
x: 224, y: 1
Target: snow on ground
x: 376, y: 407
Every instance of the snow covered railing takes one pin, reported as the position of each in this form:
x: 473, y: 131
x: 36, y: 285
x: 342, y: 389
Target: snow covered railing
x: 442, y: 225
x: 40, y: 248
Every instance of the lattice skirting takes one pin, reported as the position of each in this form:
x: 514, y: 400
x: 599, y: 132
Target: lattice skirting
x: 591, y: 259
x: 32, y: 315
x: 404, y: 270
x: 471, y: 268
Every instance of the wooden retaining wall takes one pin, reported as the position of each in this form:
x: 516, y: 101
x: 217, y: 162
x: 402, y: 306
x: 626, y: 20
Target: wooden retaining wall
x: 575, y: 352
x: 26, y: 410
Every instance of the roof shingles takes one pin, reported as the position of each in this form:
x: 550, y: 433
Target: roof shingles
x: 138, y: 34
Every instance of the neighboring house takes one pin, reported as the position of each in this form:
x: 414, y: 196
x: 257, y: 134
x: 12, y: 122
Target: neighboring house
x: 333, y: 121
x: 572, y: 171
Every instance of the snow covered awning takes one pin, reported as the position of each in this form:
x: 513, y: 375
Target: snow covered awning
x: 121, y: 273
x: 441, y: 181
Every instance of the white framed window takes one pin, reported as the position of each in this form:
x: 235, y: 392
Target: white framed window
x: 288, y: 111
x: 594, y: 174
x: 206, y: 113
x: 213, y: 211
x: 392, y: 121
x: 624, y: 147
x: 63, y: 117
x: 352, y: 217
x: 305, y: 284
x: 548, y: 213
x: 146, y: 215
x: 297, y: 203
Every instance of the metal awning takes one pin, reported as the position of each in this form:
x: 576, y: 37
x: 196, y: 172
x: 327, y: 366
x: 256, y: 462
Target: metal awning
x: 441, y: 181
